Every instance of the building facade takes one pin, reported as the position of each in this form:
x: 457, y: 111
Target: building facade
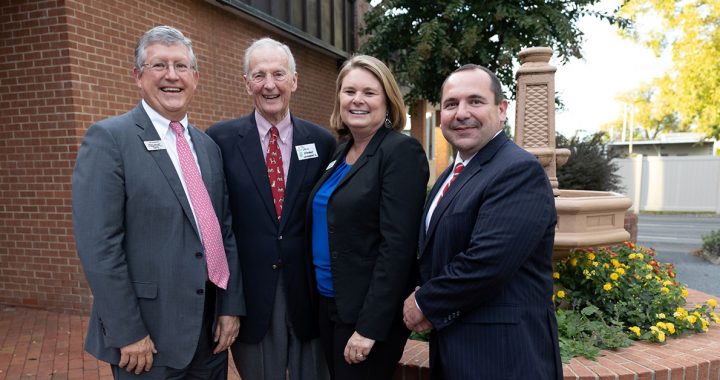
x: 65, y: 64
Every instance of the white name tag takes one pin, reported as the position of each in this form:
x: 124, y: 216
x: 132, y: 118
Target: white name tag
x: 154, y: 145
x: 306, y: 151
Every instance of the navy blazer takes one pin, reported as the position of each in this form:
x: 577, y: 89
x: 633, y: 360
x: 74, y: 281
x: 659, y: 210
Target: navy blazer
x: 372, y: 221
x: 486, y: 269
x: 267, y: 247
x: 138, y: 242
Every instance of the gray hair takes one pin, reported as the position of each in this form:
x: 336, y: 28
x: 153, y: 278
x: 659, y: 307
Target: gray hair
x: 267, y: 41
x: 167, y: 36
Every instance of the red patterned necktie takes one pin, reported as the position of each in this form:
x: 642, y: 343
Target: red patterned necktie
x: 217, y: 265
x: 274, y: 163
x: 458, y: 168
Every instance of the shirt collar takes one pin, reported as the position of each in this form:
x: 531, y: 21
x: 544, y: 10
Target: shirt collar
x: 264, y: 126
x: 161, y: 123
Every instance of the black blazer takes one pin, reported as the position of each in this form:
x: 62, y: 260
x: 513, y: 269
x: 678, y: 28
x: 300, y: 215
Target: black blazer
x: 486, y: 268
x: 266, y: 246
x: 372, y: 217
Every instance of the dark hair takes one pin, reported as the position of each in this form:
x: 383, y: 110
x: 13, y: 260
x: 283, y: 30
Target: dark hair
x: 495, y: 85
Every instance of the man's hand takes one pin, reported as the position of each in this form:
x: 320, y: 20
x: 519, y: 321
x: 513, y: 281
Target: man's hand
x: 138, y: 356
x: 226, y: 331
x: 358, y: 348
x: 413, y: 317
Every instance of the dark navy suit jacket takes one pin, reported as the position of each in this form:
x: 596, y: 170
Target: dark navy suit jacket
x: 486, y: 270
x: 267, y: 247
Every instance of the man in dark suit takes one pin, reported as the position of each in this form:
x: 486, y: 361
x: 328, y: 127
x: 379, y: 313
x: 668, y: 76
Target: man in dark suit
x: 153, y: 228
x: 486, y: 247
x: 272, y: 160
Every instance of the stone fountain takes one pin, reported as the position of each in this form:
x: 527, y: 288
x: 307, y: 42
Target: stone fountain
x: 585, y: 218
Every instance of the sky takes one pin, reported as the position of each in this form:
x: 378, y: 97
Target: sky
x: 610, y: 65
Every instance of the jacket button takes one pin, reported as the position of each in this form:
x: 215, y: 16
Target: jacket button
x: 280, y: 237
x: 200, y: 291
x: 198, y: 254
x: 274, y: 266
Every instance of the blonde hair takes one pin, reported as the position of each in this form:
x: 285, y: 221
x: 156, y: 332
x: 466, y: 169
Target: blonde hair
x: 393, y: 97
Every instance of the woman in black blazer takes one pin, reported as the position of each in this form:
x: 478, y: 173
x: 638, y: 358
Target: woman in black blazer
x: 366, y: 212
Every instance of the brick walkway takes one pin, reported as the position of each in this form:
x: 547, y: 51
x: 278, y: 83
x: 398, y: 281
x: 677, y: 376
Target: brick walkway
x: 37, y: 344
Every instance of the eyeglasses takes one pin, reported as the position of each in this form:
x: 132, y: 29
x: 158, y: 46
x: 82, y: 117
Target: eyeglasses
x: 161, y: 67
x: 260, y: 77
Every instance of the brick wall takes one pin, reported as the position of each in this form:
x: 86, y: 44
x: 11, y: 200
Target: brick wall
x: 65, y: 64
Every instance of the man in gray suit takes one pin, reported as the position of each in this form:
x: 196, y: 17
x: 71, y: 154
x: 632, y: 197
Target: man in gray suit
x: 153, y: 229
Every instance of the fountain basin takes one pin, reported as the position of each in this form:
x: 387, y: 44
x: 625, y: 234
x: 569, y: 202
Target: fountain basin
x: 589, y: 218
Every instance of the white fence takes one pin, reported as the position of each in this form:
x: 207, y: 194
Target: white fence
x: 690, y: 183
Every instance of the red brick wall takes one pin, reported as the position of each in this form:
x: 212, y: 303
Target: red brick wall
x: 65, y: 64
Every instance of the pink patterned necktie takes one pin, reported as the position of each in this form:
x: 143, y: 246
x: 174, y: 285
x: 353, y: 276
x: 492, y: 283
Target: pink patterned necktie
x: 458, y: 168
x: 217, y: 265
x: 274, y: 163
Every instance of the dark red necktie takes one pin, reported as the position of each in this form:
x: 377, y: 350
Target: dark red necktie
x: 458, y: 168
x: 274, y: 163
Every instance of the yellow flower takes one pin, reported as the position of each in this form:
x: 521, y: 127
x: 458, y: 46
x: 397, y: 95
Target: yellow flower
x: 661, y: 336
x: 556, y: 275
x: 661, y: 325
x: 684, y: 292
x: 654, y: 329
x: 615, y: 263
x: 561, y: 294
x: 621, y: 270
x: 635, y: 330
x: 664, y: 290
x: 591, y: 256
x: 595, y: 263
x: 573, y: 262
x: 606, y: 265
x: 715, y: 317
x: 692, y: 319
x: 649, y: 276
x: 660, y: 316
x: 639, y: 256
x: 614, y: 276
x: 631, y: 256
x: 712, y: 302
x: 648, y: 266
x: 607, y: 286
x: 670, y: 328
x: 667, y: 282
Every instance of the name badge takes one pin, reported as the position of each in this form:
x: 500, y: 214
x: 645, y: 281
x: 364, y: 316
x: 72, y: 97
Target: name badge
x: 330, y: 165
x: 154, y: 145
x: 306, y: 151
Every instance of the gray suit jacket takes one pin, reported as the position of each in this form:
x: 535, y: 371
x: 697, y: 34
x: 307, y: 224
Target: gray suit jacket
x: 138, y: 243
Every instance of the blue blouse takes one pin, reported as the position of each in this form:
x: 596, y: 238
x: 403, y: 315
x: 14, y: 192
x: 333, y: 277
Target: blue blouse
x: 320, y: 242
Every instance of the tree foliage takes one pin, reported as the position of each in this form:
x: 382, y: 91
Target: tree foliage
x: 589, y: 167
x: 425, y: 40
x: 691, y: 29
x: 649, y: 111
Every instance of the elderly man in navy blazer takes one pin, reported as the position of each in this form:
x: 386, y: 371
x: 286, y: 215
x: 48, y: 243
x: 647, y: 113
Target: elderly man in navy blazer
x: 486, y: 247
x: 153, y: 228
x: 272, y: 161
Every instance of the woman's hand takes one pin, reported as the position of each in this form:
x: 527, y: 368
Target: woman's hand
x: 358, y: 348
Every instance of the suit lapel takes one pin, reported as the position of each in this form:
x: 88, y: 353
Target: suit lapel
x: 248, y: 145
x: 473, y: 168
x: 146, y: 132
x: 296, y: 171
x: 428, y: 203
x: 369, y: 151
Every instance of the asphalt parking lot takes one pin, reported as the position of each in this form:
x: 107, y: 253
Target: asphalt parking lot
x: 674, y: 238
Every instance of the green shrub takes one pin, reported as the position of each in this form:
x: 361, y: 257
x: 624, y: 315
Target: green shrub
x: 711, y: 245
